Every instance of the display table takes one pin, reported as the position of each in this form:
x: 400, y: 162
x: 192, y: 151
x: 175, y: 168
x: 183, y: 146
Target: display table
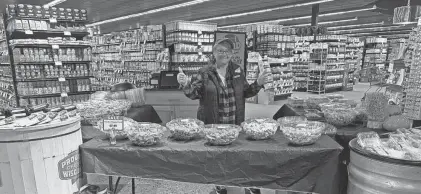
x: 269, y: 164
x: 343, y: 136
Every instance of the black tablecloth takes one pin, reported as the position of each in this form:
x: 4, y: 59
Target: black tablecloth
x: 269, y: 164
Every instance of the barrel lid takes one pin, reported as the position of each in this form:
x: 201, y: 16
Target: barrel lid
x: 355, y: 147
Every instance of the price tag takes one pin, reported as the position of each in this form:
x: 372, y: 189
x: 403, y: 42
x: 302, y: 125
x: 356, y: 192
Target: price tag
x: 64, y: 94
x: 113, y: 124
x: 67, y: 33
x: 58, y: 63
x: 55, y: 46
x: 200, y: 53
x: 29, y: 32
x: 61, y: 79
x: 53, y: 20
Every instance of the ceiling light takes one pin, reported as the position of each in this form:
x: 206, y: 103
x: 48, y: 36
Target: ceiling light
x: 328, y: 22
x: 186, y: 4
x: 374, y: 28
x: 54, y: 3
x: 374, y: 34
x: 264, y: 10
x: 303, y: 17
x: 356, y: 25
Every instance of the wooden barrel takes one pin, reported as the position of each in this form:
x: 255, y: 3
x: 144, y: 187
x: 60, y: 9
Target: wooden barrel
x: 41, y: 159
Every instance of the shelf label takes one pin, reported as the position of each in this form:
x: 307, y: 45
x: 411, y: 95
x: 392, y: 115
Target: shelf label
x: 61, y: 79
x: 115, y: 124
x: 64, y: 94
x: 56, y: 46
x: 200, y: 53
x: 53, y: 20
x: 29, y: 32
x: 67, y: 33
x: 59, y: 63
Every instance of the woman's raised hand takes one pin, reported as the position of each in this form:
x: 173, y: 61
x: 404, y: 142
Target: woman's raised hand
x: 182, y: 78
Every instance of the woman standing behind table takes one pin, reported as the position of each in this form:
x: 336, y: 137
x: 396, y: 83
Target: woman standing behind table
x: 221, y: 87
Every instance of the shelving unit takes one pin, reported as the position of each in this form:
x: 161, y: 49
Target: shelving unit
x: 353, y: 58
x: 49, y: 60
x: 7, y: 93
x: 129, y: 56
x: 317, y: 70
x: 300, y: 66
x: 190, y: 44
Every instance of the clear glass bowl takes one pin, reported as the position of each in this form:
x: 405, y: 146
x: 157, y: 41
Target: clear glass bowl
x: 291, y: 120
x: 146, y: 134
x: 184, y: 129
x: 260, y: 128
x: 340, y: 117
x: 221, y: 134
x: 303, y: 133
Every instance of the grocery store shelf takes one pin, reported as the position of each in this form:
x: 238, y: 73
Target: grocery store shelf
x: 50, y: 45
x: 4, y: 64
x: 55, y: 95
x: 189, y: 31
x: 50, y: 62
x: 46, y: 19
x: 43, y: 34
x: 52, y: 79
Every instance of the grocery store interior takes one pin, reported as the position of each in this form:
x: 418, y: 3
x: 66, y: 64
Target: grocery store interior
x: 210, y: 96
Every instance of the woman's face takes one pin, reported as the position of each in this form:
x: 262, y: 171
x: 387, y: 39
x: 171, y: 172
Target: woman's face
x: 223, y: 54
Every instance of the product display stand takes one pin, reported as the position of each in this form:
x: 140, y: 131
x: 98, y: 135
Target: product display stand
x: 375, y: 55
x: 300, y: 66
x: 353, y: 59
x: 50, y: 62
x: 7, y: 93
x: 317, y: 69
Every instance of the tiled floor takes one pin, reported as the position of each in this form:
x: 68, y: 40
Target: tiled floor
x: 144, y: 186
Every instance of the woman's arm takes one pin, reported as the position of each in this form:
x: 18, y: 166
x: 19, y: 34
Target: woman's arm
x: 251, y: 90
x: 193, y: 89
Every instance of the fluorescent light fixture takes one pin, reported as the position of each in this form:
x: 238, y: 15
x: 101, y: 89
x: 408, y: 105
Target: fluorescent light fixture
x: 186, y: 4
x: 328, y: 22
x: 374, y: 28
x: 304, y: 17
x: 263, y: 10
x: 54, y: 3
x: 356, y: 25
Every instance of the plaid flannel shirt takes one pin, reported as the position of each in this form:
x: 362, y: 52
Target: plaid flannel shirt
x: 228, y: 106
x: 226, y: 98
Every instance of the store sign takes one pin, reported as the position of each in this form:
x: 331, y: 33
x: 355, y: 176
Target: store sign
x: 69, y: 167
x: 113, y: 123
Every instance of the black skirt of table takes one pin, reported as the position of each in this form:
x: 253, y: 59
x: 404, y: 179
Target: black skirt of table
x: 343, y: 136
x: 269, y: 164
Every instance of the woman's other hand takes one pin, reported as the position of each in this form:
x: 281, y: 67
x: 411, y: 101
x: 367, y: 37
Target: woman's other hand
x: 182, y: 78
x: 263, y: 78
